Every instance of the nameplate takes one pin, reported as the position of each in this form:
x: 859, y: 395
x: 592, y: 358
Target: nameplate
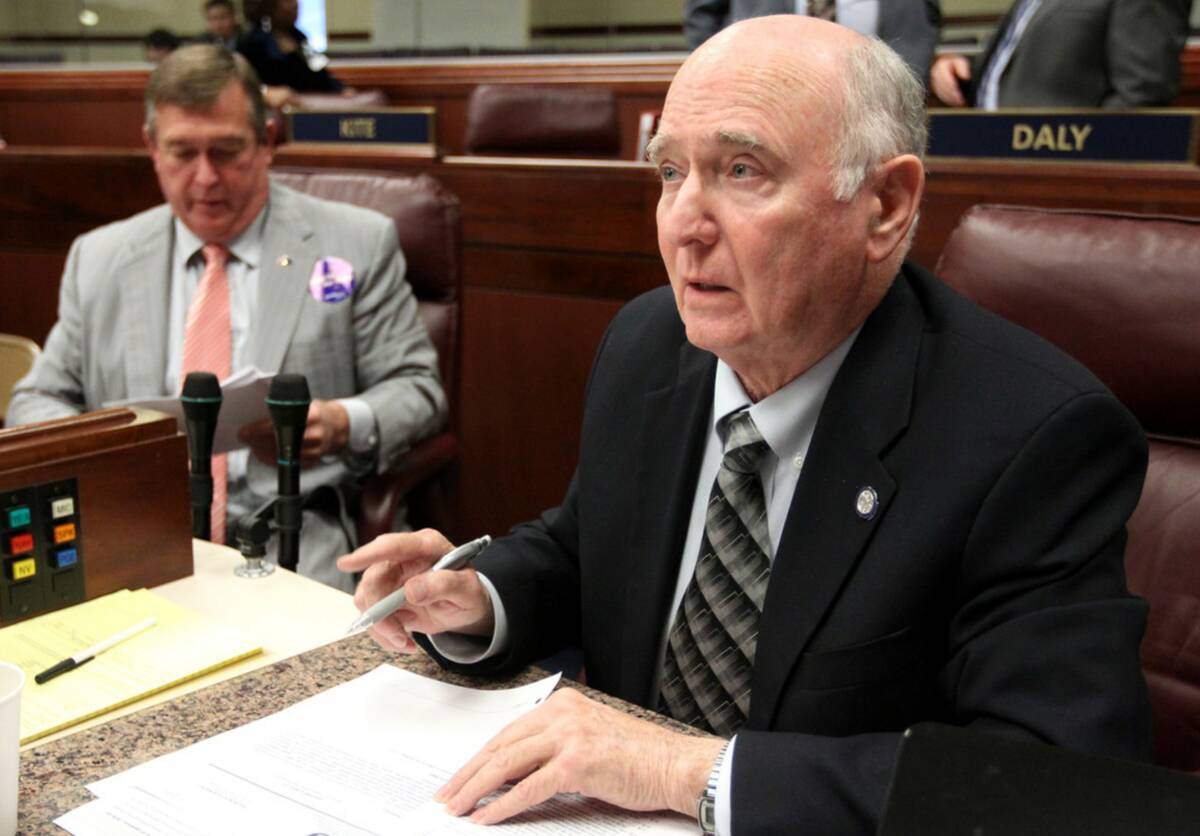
x: 406, y: 126
x: 1152, y: 138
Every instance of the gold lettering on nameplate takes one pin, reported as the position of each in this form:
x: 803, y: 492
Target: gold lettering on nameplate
x: 357, y: 128
x: 1066, y: 137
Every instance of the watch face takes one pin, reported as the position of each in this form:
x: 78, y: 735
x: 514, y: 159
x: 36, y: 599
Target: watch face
x: 706, y: 813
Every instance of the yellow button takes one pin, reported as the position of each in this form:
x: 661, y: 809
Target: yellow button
x: 64, y: 532
x: 22, y: 569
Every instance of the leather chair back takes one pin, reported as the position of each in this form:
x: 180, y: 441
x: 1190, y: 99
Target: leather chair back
x: 1120, y: 293
x: 542, y: 120
x: 428, y: 222
x: 17, y: 356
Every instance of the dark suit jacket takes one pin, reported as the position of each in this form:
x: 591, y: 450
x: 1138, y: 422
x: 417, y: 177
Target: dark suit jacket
x: 987, y: 590
x: 908, y: 26
x: 1093, y: 53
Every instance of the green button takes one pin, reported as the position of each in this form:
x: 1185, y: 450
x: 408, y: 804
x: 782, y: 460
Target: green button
x: 18, y: 517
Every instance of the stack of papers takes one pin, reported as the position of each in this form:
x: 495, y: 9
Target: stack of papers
x: 364, y: 757
x: 181, y: 646
x: 243, y: 400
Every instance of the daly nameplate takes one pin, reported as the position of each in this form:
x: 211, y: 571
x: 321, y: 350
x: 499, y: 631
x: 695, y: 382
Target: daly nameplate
x: 1165, y: 137
x: 383, y: 126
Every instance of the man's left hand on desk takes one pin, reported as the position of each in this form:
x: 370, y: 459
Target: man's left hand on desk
x: 574, y: 744
x: 326, y: 432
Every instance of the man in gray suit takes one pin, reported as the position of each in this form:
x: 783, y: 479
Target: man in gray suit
x: 128, y: 286
x: 1072, y: 53
x: 908, y: 26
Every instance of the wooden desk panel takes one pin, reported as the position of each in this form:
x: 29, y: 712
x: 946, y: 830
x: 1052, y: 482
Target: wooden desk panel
x: 82, y: 106
x: 551, y: 249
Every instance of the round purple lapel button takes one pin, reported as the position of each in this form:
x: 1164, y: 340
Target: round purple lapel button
x: 332, y: 280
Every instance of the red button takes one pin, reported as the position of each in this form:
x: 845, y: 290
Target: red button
x: 20, y: 543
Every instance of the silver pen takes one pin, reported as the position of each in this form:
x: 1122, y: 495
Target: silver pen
x: 453, y: 559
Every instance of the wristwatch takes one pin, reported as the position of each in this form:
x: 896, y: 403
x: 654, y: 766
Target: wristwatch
x: 706, y: 804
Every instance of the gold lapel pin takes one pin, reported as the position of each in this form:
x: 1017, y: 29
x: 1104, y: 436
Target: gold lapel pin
x: 284, y: 261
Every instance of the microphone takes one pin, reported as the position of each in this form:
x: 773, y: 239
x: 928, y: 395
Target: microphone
x: 201, y: 398
x: 288, y: 401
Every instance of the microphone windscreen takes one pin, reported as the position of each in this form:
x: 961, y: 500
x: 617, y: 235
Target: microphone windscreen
x: 288, y: 390
x: 201, y: 387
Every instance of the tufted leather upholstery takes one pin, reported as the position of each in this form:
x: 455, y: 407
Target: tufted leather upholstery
x: 1120, y: 293
x: 540, y: 120
x: 428, y: 222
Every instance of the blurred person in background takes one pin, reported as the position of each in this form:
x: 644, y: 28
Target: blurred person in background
x: 221, y: 26
x: 908, y: 26
x: 1069, y: 53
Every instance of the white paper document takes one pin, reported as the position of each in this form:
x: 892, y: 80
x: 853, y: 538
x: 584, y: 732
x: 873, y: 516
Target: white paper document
x: 364, y: 757
x: 243, y: 400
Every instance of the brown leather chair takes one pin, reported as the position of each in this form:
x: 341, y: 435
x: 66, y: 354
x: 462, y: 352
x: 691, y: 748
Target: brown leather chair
x: 428, y: 222
x: 1120, y: 293
x: 542, y: 120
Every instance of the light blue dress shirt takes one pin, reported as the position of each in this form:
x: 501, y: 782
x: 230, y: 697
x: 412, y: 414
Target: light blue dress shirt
x: 860, y: 15
x: 988, y: 95
x: 786, y: 419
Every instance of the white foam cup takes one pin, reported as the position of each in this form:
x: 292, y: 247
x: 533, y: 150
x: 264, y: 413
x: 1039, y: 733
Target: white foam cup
x: 11, y: 682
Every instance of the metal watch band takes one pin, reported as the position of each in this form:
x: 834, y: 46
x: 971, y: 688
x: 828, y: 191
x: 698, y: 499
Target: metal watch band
x: 706, y: 804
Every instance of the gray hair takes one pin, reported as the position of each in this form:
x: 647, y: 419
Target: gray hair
x: 193, y: 78
x: 884, y: 115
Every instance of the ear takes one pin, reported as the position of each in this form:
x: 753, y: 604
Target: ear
x: 898, y: 186
x: 272, y: 127
x: 150, y: 146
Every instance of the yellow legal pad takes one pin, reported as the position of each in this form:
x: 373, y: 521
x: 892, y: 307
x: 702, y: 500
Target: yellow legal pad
x: 181, y: 646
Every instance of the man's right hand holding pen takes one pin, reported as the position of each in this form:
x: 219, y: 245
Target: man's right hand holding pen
x: 438, y: 602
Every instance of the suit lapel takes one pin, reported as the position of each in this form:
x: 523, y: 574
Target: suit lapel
x: 144, y: 287
x: 288, y: 254
x: 673, y: 427
x: 867, y: 408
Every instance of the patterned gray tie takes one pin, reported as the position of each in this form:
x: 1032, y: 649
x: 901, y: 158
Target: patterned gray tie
x: 824, y: 9
x: 710, y: 652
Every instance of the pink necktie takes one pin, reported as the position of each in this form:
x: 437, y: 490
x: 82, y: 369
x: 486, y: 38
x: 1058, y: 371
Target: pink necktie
x: 208, y: 347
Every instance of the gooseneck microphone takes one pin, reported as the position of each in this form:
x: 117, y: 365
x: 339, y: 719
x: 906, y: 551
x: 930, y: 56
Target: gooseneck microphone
x: 288, y: 401
x: 201, y: 398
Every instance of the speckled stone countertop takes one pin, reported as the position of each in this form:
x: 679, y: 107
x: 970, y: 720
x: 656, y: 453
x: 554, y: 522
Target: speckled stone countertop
x: 54, y: 776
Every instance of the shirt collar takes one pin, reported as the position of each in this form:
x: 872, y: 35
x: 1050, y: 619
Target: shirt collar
x: 246, y: 248
x: 787, y: 417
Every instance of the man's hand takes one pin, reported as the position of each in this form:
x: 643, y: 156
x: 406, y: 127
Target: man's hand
x: 575, y: 744
x: 279, y: 97
x: 451, y: 600
x: 944, y: 77
x: 327, y: 431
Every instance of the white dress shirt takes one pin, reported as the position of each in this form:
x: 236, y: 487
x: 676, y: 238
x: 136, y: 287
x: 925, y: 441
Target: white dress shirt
x: 860, y: 15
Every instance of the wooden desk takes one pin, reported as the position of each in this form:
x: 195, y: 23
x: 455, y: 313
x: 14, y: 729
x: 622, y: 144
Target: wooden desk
x: 285, y: 613
x: 54, y: 776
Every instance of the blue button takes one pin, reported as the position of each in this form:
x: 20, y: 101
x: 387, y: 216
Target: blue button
x: 65, y: 557
x: 18, y: 516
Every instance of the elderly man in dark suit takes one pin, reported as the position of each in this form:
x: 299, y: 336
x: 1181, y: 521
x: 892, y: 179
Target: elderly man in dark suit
x: 820, y: 497
x: 1072, y: 53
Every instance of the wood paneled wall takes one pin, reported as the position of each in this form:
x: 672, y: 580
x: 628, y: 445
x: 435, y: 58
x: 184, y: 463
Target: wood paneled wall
x: 103, y: 108
x: 552, y: 249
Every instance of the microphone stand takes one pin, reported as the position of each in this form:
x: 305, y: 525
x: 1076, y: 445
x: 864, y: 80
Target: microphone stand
x: 288, y: 401
x: 252, y: 532
x: 201, y: 400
